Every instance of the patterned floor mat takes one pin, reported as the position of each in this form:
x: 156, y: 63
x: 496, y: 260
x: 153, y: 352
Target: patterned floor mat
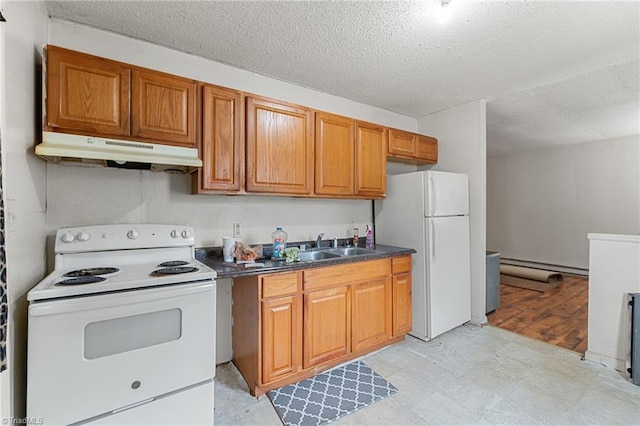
x: 330, y: 395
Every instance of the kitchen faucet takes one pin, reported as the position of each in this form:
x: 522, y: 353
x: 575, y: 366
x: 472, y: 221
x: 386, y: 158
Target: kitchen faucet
x: 319, y: 239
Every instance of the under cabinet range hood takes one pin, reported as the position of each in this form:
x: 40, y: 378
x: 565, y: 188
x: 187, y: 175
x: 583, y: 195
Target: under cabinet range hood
x: 91, y: 150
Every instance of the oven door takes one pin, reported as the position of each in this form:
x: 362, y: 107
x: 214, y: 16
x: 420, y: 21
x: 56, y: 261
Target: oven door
x: 88, y: 356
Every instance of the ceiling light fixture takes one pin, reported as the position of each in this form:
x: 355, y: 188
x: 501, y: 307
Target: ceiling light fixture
x: 444, y: 14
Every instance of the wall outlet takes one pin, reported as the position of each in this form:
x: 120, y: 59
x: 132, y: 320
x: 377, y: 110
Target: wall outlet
x: 236, y: 230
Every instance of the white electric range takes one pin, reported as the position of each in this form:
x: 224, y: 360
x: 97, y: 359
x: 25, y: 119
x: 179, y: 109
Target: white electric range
x: 122, y: 331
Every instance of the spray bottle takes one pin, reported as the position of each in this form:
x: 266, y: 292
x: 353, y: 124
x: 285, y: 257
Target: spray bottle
x: 369, y: 238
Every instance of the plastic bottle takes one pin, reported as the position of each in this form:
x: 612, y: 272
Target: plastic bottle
x: 279, y: 238
x: 369, y: 238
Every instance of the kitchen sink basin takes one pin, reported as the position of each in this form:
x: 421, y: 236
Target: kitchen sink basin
x: 317, y: 255
x: 351, y: 251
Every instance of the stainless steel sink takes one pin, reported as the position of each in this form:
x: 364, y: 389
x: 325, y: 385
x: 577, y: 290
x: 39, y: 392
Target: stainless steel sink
x: 351, y: 251
x: 317, y: 255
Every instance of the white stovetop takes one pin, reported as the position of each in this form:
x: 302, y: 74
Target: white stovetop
x: 135, y: 273
x: 135, y: 249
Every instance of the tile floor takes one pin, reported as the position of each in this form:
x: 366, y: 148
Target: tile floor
x: 470, y: 375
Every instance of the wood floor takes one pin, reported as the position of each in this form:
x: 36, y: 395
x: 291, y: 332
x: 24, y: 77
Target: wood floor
x: 558, y: 316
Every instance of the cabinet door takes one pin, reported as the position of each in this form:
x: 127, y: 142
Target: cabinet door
x: 401, y: 304
x: 279, y: 148
x: 281, y: 337
x: 334, y: 155
x: 371, y: 313
x: 164, y: 108
x: 371, y: 160
x: 402, y: 143
x: 427, y: 148
x: 327, y: 325
x: 86, y: 93
x: 222, y: 148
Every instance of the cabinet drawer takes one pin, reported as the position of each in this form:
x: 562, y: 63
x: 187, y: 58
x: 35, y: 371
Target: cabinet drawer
x: 401, y: 264
x: 279, y: 284
x: 333, y: 276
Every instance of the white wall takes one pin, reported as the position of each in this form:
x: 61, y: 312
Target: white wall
x: 614, y: 272
x: 462, y: 147
x: 542, y: 203
x: 78, y: 196
x: 24, y: 182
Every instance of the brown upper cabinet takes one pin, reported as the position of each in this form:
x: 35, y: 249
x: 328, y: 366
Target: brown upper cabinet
x: 335, y: 158
x: 279, y: 144
x: 371, y: 163
x: 264, y: 146
x: 411, y: 147
x: 350, y: 157
x: 222, y: 149
x: 163, y: 108
x: 99, y: 97
x: 87, y: 93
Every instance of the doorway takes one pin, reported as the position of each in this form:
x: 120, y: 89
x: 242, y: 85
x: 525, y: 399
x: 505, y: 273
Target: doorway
x: 557, y: 316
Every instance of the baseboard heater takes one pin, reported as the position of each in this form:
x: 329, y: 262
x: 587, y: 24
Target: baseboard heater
x: 546, y: 266
x: 634, y: 370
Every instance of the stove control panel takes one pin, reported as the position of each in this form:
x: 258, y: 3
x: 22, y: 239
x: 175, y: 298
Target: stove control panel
x: 122, y: 237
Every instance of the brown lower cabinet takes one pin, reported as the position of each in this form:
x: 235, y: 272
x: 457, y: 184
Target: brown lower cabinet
x: 293, y: 325
x: 401, y: 295
x: 327, y: 325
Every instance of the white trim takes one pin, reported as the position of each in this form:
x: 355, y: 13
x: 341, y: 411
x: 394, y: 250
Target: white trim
x: 615, y: 363
x: 615, y: 237
x: 479, y: 320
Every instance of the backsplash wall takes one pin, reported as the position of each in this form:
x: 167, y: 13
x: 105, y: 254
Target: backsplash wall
x: 90, y: 195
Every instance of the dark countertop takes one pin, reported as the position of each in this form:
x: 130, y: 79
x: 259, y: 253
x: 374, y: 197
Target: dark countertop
x: 212, y: 257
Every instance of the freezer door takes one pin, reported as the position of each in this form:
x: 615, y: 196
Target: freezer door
x: 447, y: 194
x: 448, y: 274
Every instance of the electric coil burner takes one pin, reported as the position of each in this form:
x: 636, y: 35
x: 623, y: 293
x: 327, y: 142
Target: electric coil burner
x: 121, y: 301
x: 172, y: 263
x: 82, y: 280
x: 87, y: 276
x: 89, y: 272
x: 175, y: 270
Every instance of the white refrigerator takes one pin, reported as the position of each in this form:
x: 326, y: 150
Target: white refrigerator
x: 429, y: 212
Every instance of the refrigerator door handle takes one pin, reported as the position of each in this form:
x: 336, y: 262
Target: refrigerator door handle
x: 432, y: 239
x: 432, y: 196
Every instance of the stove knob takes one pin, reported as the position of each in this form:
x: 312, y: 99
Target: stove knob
x: 83, y: 236
x: 175, y: 234
x: 68, y: 237
x: 185, y: 234
x: 133, y: 234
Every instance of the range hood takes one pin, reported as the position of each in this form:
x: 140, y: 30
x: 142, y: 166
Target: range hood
x: 91, y: 150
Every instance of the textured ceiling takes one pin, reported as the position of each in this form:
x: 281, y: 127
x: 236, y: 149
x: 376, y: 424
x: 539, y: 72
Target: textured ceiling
x: 555, y: 72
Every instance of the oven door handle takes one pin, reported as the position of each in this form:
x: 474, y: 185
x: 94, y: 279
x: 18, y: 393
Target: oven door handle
x: 109, y: 300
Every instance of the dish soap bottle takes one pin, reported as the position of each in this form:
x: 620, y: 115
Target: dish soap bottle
x: 369, y: 238
x: 279, y: 239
